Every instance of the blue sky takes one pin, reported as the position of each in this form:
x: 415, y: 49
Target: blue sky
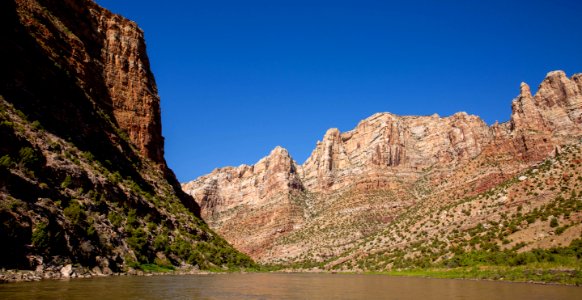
x: 238, y: 78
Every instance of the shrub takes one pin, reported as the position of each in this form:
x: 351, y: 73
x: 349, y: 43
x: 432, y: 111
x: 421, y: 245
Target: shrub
x: 36, y: 125
x: 74, y: 213
x: 131, y: 220
x: 67, y: 182
x: 114, y: 218
x: 554, y: 222
x: 181, y: 247
x: 115, y: 177
x: 40, y: 236
x: 560, y: 230
x: 20, y: 114
x: 88, y: 156
x: 152, y: 226
x: 162, y: 242
x: 138, y: 240
x: 163, y: 263
x: 7, y: 124
x: 54, y: 146
x: 6, y: 161
x: 28, y: 157
x: 91, y: 231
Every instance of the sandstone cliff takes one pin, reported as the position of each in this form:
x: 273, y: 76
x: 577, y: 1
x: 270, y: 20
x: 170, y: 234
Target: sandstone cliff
x: 256, y: 196
x: 386, y: 145
x: 105, y: 54
x: 83, y: 178
x: 356, y: 182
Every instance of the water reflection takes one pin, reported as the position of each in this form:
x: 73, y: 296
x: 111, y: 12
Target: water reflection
x: 282, y: 286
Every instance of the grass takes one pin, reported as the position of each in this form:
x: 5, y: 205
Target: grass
x: 539, y: 273
x: 153, y: 268
x: 536, y: 273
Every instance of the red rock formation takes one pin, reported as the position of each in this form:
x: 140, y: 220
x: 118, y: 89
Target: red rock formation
x: 136, y: 104
x: 390, y: 152
x: 260, y: 196
x: 392, y: 145
x: 109, y: 61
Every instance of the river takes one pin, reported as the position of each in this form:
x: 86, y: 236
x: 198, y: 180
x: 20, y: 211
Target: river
x: 283, y: 286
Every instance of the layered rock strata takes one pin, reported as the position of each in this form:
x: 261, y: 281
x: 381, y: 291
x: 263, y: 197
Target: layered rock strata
x: 256, y: 196
x: 83, y: 180
x: 106, y: 54
x: 404, y: 155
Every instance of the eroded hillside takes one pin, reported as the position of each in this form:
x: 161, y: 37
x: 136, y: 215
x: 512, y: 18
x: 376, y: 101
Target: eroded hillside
x: 357, y: 184
x: 83, y: 178
x: 539, y: 208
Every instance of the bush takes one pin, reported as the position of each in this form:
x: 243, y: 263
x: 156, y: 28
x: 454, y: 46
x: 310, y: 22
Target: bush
x: 114, y: 218
x: 7, y: 124
x: 36, y: 125
x: 162, y: 242
x: 164, y: 263
x: 75, y: 213
x: 562, y: 255
x: 182, y: 248
x: 6, y: 161
x: 88, y: 156
x: 152, y: 226
x: 67, y: 182
x: 138, y: 240
x: 131, y: 220
x: 560, y: 230
x: 28, y: 157
x: 40, y: 236
x: 197, y: 259
x: 91, y: 231
x: 115, y: 178
x: 554, y: 222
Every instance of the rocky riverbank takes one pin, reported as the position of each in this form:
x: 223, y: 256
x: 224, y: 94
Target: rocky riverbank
x: 68, y: 272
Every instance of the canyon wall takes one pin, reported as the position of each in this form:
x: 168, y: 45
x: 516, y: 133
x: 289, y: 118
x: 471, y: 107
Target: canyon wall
x: 401, y: 155
x: 83, y: 180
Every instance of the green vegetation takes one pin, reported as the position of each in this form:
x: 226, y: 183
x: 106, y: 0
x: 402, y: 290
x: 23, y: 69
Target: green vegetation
x: 40, y: 236
x: 75, y: 213
x: 28, y: 157
x: 478, y: 236
x: 563, y: 256
x: 36, y: 125
x: 555, y: 265
x: 67, y: 182
x: 137, y: 240
x: 162, y: 242
x: 523, y: 274
x: 111, y: 199
x: 7, y: 124
x: 554, y: 223
x: 114, y: 218
x: 156, y: 268
x: 6, y: 161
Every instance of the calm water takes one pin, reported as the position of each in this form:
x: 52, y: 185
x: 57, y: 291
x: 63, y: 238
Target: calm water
x: 282, y: 286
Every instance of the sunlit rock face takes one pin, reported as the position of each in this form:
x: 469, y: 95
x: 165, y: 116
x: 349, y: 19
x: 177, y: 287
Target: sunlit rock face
x: 251, y: 205
x: 262, y: 209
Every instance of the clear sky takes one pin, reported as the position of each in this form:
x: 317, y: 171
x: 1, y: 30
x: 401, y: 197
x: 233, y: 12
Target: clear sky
x: 238, y: 78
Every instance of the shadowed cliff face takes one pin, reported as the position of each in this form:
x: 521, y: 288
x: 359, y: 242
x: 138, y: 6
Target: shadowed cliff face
x: 375, y: 172
x: 102, y: 54
x: 82, y: 173
x: 84, y: 74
